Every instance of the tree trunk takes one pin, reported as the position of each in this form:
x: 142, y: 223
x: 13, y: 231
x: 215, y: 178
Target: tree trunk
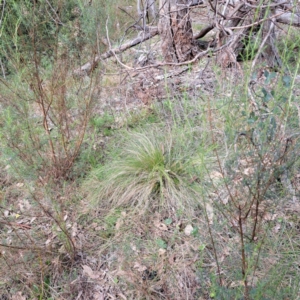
x: 175, y: 30
x: 244, y: 23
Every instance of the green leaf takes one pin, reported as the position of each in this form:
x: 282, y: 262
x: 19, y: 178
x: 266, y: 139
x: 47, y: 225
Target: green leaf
x: 277, y: 110
x: 195, y: 232
x: 161, y: 244
x: 252, y: 118
x: 212, y: 294
x: 266, y: 73
x: 286, y: 80
x: 269, y: 76
x: 254, y: 75
x: 168, y: 221
x: 267, y: 95
x: 202, y: 247
x: 284, y: 99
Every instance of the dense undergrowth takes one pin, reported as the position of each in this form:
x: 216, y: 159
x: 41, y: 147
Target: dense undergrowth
x: 195, y: 196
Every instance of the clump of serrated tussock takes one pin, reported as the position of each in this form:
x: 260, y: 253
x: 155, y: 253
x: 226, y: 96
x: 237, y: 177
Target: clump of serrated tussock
x: 153, y: 170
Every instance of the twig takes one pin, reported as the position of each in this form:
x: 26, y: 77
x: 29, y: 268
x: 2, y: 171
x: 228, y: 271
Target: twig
x: 262, y: 45
x: 2, y: 68
x: 225, y: 7
x: 258, y: 22
x: 244, y: 262
x: 58, y: 21
x: 252, y: 101
x: 210, y: 233
x: 266, y: 6
x: 12, y: 224
x: 136, y: 22
x: 2, y: 15
x: 26, y: 248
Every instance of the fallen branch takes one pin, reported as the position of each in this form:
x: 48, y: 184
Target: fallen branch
x: 188, y: 62
x: 288, y: 18
x: 203, y: 32
x: 87, y: 68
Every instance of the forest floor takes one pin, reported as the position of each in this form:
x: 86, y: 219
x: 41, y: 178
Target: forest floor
x: 222, y: 217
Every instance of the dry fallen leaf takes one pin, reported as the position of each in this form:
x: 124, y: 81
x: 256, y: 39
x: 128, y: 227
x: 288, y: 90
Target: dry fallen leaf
x: 210, y: 212
x: 89, y: 272
x: 188, y: 229
x: 277, y: 228
x: 244, y: 162
x: 98, y: 296
x: 216, y: 175
x: 161, y: 251
x: 269, y: 217
x: 248, y: 171
x: 18, y: 296
x: 139, y: 267
x: 225, y: 200
x: 236, y: 283
x: 160, y: 225
x: 134, y: 248
x: 122, y: 296
x: 74, y: 229
x: 119, y: 223
x: 252, y: 280
x: 62, y: 250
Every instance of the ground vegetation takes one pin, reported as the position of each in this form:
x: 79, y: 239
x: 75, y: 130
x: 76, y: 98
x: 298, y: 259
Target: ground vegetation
x: 149, y: 149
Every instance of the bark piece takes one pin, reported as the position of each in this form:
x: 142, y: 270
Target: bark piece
x: 176, y: 32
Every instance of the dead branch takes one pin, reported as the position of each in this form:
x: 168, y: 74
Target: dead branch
x: 203, y: 32
x: 262, y: 45
x: 87, y: 68
x: 282, y: 14
x: 288, y: 18
x: 196, y: 58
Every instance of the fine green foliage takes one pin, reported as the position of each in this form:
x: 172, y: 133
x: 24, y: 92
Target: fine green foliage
x: 151, y: 171
x: 31, y: 30
x: 194, y: 196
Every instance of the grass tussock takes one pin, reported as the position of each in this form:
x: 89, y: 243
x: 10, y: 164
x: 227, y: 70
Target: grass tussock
x: 153, y: 170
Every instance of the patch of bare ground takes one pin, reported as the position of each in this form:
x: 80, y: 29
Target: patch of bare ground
x: 143, y: 88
